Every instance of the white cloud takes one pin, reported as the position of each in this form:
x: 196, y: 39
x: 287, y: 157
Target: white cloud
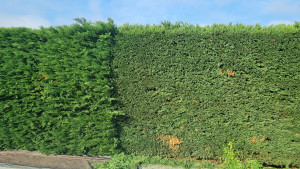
x: 281, y: 7
x: 139, y: 12
x: 202, y: 25
x: 155, y: 11
x: 30, y: 21
x: 61, y: 20
x: 94, y: 7
x: 279, y: 22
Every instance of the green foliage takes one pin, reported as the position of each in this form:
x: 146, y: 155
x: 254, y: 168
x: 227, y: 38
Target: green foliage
x: 186, y: 90
x: 232, y: 162
x: 122, y: 161
x: 56, y: 95
x: 184, y: 163
x: 18, y: 59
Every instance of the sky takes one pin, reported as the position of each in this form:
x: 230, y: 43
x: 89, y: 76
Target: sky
x: 37, y: 13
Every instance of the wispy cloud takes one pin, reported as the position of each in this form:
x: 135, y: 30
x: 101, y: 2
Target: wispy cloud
x: 33, y: 13
x: 16, y: 13
x: 155, y: 11
x: 138, y: 12
x: 281, y: 7
x: 94, y: 10
x: 30, y: 21
x: 279, y: 22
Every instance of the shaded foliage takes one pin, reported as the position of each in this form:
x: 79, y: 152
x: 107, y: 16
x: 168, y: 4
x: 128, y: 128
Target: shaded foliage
x: 200, y: 87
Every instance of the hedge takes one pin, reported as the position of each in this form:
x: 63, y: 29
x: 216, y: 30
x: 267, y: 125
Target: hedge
x: 185, y: 90
x: 188, y: 90
x: 56, y: 94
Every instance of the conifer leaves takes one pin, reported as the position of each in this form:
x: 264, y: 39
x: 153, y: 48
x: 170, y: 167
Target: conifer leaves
x: 65, y: 72
x: 222, y: 83
x: 203, y: 85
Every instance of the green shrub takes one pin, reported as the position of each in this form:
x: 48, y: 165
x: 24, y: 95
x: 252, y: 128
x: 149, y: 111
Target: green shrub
x: 232, y: 162
x: 187, y: 90
x: 121, y: 161
x: 55, y: 89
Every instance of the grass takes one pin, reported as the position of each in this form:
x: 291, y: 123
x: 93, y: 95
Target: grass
x: 122, y: 161
x: 229, y: 161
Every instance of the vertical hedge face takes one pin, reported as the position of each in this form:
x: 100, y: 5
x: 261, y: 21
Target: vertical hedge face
x: 187, y: 90
x: 18, y: 66
x: 56, y: 94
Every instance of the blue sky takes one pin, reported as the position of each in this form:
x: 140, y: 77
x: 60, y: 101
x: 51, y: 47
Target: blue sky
x: 36, y: 13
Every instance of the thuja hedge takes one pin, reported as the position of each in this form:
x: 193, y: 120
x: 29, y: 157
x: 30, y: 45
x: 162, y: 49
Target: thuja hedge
x: 55, y: 89
x: 186, y: 90
x: 189, y: 90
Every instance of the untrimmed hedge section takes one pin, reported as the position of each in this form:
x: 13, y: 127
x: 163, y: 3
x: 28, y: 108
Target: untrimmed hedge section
x: 56, y: 94
x: 186, y: 90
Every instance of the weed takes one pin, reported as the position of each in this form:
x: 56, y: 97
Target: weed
x: 232, y: 162
x: 121, y: 161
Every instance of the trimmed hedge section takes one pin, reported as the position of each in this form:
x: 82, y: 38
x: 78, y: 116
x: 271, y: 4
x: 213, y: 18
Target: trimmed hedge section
x: 189, y: 90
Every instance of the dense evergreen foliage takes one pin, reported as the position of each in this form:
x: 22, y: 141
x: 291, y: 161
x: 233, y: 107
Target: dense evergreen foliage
x: 188, y: 90
x: 185, y: 90
x: 56, y: 95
